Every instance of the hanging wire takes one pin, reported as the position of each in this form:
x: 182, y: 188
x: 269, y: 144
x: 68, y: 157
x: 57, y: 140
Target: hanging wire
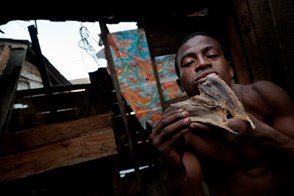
x: 85, y: 44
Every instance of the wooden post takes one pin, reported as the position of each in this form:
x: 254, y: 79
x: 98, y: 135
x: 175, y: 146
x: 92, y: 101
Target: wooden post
x: 104, y: 32
x: 9, y: 80
x: 39, y: 56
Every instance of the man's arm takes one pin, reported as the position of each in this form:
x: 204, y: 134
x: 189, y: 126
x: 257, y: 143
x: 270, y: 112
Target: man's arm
x: 186, y: 180
x: 168, y: 137
x: 275, y: 126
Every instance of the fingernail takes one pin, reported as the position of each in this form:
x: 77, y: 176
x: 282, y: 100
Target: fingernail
x: 186, y: 120
x: 185, y: 113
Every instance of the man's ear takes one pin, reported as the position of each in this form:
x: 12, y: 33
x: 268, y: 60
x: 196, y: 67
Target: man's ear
x: 231, y: 70
x: 180, y: 85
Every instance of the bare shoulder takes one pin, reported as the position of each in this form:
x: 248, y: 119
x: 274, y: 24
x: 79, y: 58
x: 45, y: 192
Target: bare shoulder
x: 264, y: 86
x: 268, y: 94
x: 269, y: 91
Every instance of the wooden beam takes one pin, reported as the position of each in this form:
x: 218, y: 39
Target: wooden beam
x: 237, y: 50
x: 4, y: 57
x: 41, y: 64
x: 247, y: 30
x: 42, y: 109
x: 43, y: 135
x: 9, y: 82
x: 111, y: 65
x: 93, y: 145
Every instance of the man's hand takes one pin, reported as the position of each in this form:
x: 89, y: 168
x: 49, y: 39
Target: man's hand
x: 168, y: 135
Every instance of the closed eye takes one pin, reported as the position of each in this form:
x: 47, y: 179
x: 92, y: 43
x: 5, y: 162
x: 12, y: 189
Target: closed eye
x: 213, y: 56
x: 187, y: 64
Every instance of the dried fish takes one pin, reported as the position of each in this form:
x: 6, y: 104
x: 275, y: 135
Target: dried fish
x: 215, y: 104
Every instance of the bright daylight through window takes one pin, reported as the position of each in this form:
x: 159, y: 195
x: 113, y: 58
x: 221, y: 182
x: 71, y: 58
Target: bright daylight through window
x: 70, y: 46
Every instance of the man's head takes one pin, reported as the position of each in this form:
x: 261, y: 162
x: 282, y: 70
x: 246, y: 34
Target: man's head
x: 183, y: 42
x: 199, y: 55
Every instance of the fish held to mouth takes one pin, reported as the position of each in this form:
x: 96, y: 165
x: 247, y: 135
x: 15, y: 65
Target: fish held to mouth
x: 215, y: 104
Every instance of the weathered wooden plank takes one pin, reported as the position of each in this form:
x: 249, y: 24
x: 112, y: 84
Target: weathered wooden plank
x: 41, y: 64
x: 53, y: 102
x: 266, y: 36
x: 284, y: 23
x: 51, y: 133
x: 96, y: 144
x: 164, y: 34
x: 249, y: 40
x: 164, y: 50
x: 33, y: 107
x: 237, y: 50
x: 268, y: 33
x: 4, y: 57
x: 24, y: 119
x: 8, y: 83
x: 53, y: 89
x: 164, y: 40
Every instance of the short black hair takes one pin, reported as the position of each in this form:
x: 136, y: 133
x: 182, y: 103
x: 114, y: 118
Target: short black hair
x: 191, y: 36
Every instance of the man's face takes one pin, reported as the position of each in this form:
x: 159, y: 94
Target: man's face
x: 198, y: 57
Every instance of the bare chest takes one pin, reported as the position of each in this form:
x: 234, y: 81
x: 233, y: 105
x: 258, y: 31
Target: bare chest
x: 230, y: 157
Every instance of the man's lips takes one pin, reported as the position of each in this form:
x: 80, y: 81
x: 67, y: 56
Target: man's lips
x: 200, y: 80
x: 202, y: 77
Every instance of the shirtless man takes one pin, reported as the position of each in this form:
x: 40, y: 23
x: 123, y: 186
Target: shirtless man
x: 253, y: 162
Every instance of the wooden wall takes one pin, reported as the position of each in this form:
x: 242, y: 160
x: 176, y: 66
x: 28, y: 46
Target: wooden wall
x: 261, y: 34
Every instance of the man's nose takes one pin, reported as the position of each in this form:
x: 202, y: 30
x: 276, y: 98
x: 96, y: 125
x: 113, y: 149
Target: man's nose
x: 202, y: 63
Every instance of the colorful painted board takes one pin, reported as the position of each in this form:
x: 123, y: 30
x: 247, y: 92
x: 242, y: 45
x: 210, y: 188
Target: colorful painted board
x: 136, y: 78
